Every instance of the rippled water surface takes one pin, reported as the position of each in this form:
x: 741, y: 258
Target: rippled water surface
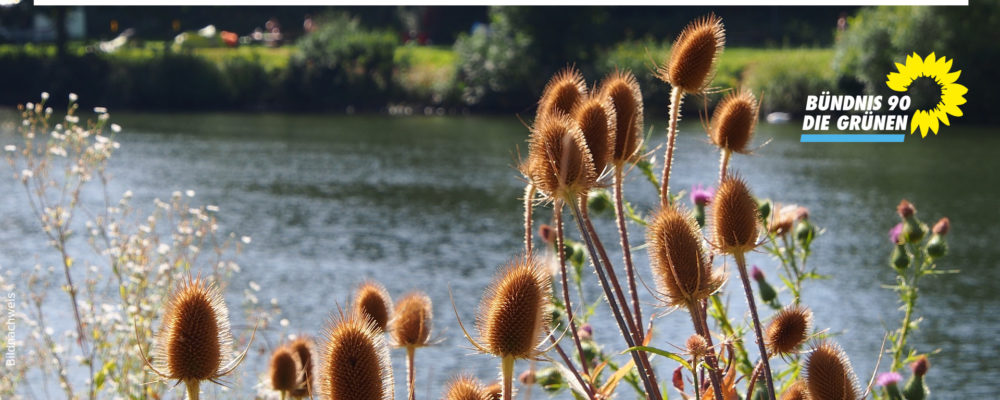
x: 432, y: 203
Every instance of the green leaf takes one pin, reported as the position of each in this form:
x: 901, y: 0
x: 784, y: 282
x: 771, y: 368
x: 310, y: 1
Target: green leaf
x: 102, y: 375
x: 660, y: 352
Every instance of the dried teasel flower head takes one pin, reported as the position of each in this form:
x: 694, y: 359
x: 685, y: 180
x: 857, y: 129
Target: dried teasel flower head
x: 694, y: 53
x: 683, y: 273
x: 411, y: 321
x: 373, y: 301
x: 734, y: 121
x: 465, y: 387
x: 564, y: 91
x: 514, y: 313
x: 494, y: 391
x: 697, y: 346
x: 356, y: 363
x: 304, y: 349
x: 623, y: 90
x: 595, y: 115
x: 284, y: 369
x: 829, y: 374
x: 788, y: 330
x: 194, y: 341
x: 559, y: 163
x: 797, y: 391
x: 734, y: 217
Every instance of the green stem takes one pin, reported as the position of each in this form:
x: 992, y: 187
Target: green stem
x: 727, y: 329
x: 192, y: 388
x: 507, y: 371
x: 410, y: 382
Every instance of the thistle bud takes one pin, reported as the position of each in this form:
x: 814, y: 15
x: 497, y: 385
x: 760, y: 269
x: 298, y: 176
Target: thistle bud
x: 900, y: 259
x: 942, y: 226
x: 766, y: 291
x: 527, y: 378
x: 599, y: 201
x: 890, y: 381
x: 547, y: 233
x: 586, y: 332
x: 905, y: 209
x: 764, y: 208
x: 937, y: 247
x: 920, y: 366
x: 549, y: 378
x: 805, y: 232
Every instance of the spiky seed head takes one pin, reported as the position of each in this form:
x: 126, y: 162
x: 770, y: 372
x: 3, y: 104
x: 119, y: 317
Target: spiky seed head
x: 734, y: 217
x: 563, y: 92
x: 829, y: 374
x: 693, y: 55
x: 465, y: 387
x: 494, y: 391
x: 303, y: 348
x: 596, y: 118
x: 697, y: 346
x: 356, y: 362
x: 623, y: 89
x: 797, y: 391
x: 734, y: 121
x: 411, y: 321
x: 788, y: 330
x: 559, y: 163
x: 373, y: 301
x: 194, y: 341
x: 683, y: 273
x: 284, y: 370
x: 512, y: 316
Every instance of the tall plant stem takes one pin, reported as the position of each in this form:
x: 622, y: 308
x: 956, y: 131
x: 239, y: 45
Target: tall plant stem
x: 529, y: 195
x: 724, y: 164
x: 639, y: 357
x: 507, y: 371
x: 572, y: 368
x: 701, y: 328
x: 410, y: 382
x: 676, y: 96
x: 741, y: 263
x: 565, y: 286
x: 192, y: 389
x: 626, y: 248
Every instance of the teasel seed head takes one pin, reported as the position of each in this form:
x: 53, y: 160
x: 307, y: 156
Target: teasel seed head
x: 564, y: 91
x: 303, y: 348
x: 373, y: 301
x: 697, y: 346
x: 734, y: 217
x: 356, y: 363
x: 788, y: 330
x: 465, y: 387
x: 513, y: 313
x: 734, y: 121
x: 683, y: 273
x: 595, y: 116
x: 194, y: 342
x: 559, y: 163
x: 829, y: 374
x: 623, y: 90
x: 797, y: 391
x: 411, y: 321
x: 284, y: 370
x: 693, y: 55
x: 494, y: 391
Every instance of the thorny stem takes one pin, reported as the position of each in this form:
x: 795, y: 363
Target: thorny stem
x: 626, y: 250
x: 565, y: 285
x: 676, y: 96
x: 727, y: 329
x: 410, y: 355
x: 741, y: 263
x: 571, y: 367
x: 529, y: 195
x: 701, y: 328
x: 723, y: 164
x: 909, y: 294
x: 639, y: 357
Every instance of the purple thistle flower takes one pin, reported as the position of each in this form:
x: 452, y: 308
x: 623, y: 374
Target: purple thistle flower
x: 756, y: 273
x: 888, y: 378
x: 895, y: 233
x: 701, y: 195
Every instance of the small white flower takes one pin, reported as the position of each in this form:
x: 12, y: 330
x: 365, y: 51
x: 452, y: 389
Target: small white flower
x: 254, y: 286
x: 72, y: 119
x: 245, y: 239
x: 27, y: 173
x: 25, y: 122
x: 101, y: 110
x: 59, y: 151
x: 73, y: 97
x: 212, y: 208
x: 163, y: 248
x: 10, y: 147
x: 48, y: 110
x: 116, y: 128
x: 189, y: 193
x: 283, y: 322
x: 128, y: 194
x: 45, y: 95
x: 30, y: 106
x: 100, y: 139
x: 103, y: 117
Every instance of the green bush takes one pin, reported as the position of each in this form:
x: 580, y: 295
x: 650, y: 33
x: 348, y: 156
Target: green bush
x: 784, y: 81
x: 493, y: 68
x: 879, y: 37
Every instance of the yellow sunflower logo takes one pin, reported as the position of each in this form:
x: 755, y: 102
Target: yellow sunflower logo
x: 933, y: 83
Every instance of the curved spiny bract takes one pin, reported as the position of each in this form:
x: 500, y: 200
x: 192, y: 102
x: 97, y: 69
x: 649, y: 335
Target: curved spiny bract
x: 561, y: 94
x: 623, y: 90
x: 373, y: 301
x: 683, y: 273
x: 734, y: 121
x: 694, y: 54
x: 596, y: 117
x: 356, y: 363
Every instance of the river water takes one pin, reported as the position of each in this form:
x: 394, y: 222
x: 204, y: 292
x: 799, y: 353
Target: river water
x: 429, y: 203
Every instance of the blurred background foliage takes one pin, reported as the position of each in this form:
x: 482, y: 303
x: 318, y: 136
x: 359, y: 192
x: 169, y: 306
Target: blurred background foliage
x: 482, y: 59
